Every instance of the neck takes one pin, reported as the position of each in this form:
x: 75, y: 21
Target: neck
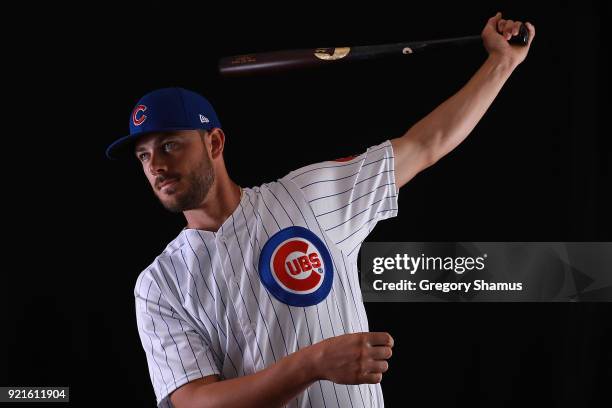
x: 220, y: 202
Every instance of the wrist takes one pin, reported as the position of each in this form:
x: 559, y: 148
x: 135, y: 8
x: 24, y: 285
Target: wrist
x: 312, y: 360
x: 503, y: 62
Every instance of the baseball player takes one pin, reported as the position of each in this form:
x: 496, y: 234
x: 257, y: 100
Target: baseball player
x: 256, y: 302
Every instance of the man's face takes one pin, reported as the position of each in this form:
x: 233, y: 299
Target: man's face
x: 177, y: 166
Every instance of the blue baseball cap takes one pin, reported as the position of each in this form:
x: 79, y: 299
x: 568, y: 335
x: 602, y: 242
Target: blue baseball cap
x: 165, y: 110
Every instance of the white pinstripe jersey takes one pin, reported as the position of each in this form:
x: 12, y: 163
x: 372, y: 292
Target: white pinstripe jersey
x: 202, y: 306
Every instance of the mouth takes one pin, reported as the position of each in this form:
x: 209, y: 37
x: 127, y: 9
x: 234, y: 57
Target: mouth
x: 167, y: 183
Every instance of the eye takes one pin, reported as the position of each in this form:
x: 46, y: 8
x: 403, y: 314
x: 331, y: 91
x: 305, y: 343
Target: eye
x: 143, y: 156
x: 169, y: 146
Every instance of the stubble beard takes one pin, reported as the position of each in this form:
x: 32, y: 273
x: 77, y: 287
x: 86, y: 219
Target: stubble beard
x: 199, y: 183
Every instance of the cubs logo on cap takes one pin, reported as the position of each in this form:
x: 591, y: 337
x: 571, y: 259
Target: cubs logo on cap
x: 137, y: 117
x: 295, y: 266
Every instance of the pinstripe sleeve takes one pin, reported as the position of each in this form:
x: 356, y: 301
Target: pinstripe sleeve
x: 175, y: 353
x: 349, y: 196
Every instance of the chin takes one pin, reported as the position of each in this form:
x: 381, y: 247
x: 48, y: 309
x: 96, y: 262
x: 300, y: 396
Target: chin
x: 172, y: 206
x: 169, y: 200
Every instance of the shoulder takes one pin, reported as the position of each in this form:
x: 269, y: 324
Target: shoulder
x: 304, y: 175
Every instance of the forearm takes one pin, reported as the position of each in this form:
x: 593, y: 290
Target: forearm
x: 274, y: 386
x: 451, y: 122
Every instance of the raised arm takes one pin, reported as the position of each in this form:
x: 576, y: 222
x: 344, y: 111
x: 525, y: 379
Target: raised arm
x: 357, y: 358
x: 451, y: 122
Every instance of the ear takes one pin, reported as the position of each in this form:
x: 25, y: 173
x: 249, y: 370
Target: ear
x: 217, y: 142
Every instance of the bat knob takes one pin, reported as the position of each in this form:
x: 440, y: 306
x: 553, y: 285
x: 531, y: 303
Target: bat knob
x: 522, y: 38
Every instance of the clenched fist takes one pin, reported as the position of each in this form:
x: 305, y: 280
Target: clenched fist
x: 355, y: 358
x: 497, y: 44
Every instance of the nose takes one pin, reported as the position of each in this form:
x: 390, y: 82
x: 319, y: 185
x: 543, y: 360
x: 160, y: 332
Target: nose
x: 157, y: 164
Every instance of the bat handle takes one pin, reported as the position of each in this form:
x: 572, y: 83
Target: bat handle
x: 522, y: 38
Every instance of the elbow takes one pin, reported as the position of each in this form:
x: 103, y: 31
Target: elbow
x: 180, y: 400
x: 194, y: 394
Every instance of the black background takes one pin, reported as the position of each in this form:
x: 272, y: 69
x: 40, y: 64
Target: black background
x: 536, y: 168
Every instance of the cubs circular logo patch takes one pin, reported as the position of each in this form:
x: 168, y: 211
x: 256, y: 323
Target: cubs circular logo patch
x: 296, y: 267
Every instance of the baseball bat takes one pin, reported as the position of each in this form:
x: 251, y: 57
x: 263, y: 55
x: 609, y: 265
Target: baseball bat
x: 276, y: 61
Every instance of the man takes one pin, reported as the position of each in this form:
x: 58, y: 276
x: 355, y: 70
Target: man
x: 256, y: 302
